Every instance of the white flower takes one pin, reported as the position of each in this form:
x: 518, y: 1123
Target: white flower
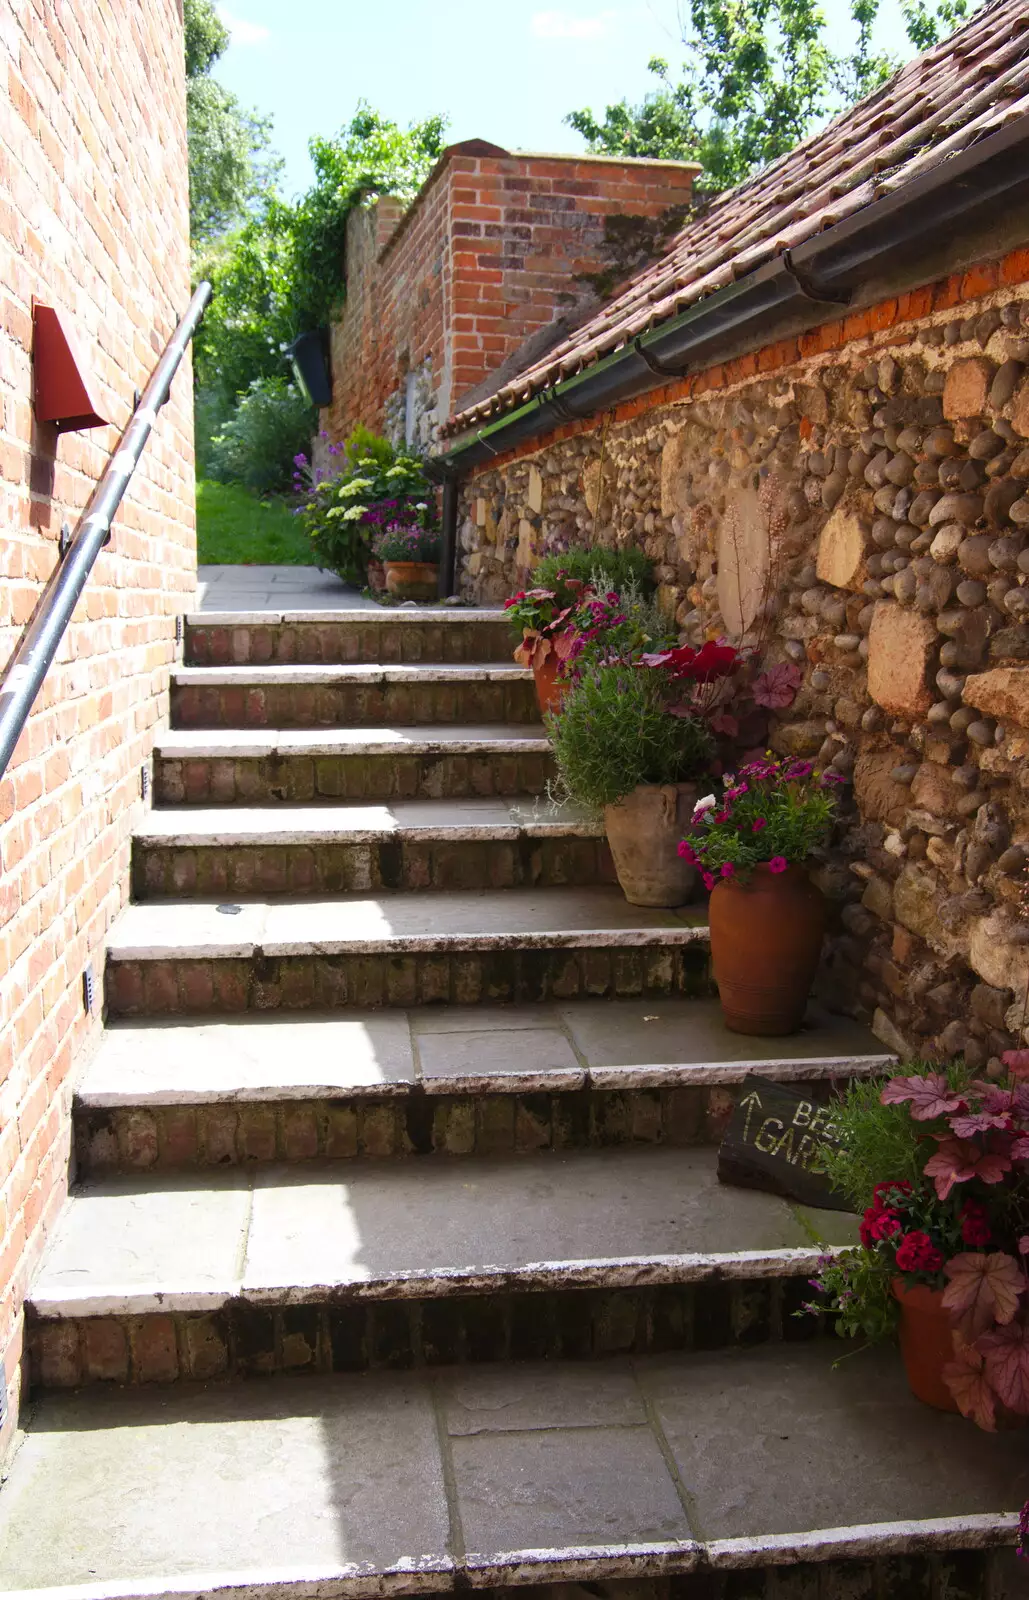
x: 728, y: 780
x: 707, y: 804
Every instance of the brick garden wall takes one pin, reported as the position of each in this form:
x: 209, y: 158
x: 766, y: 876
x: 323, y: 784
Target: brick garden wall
x: 855, y: 501
x: 93, y: 218
x: 491, y: 251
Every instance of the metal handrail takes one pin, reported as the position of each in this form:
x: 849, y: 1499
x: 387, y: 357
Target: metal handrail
x: 24, y: 673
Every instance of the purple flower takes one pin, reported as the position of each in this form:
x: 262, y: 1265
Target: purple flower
x: 689, y: 855
x: 778, y: 864
x: 727, y: 869
x: 709, y: 881
x: 300, y: 460
x: 757, y: 824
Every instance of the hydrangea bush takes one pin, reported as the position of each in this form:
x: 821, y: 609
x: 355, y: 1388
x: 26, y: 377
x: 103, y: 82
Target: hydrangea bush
x: 371, y: 487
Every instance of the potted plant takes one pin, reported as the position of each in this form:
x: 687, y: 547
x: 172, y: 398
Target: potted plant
x: 622, y: 747
x: 752, y: 844
x: 540, y: 617
x: 938, y: 1162
x: 369, y: 487
x: 410, y: 556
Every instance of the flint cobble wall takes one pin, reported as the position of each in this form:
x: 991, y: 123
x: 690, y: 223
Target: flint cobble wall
x: 855, y: 501
x: 93, y: 219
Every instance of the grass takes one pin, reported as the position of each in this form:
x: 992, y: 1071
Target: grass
x: 234, y: 528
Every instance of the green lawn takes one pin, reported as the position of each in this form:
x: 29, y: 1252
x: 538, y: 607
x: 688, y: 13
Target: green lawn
x: 236, y: 529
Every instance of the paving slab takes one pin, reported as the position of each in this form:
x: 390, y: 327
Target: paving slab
x: 786, y: 1439
x: 322, y: 822
x: 379, y: 1229
x: 175, y: 1061
x: 549, y: 918
x: 393, y: 1483
x: 592, y: 1043
x: 183, y: 744
x: 252, y: 1485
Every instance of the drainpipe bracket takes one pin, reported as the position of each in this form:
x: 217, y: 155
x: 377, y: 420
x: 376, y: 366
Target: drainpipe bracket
x: 661, y: 369
x: 809, y: 288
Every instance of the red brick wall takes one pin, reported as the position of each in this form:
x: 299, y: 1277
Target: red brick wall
x: 491, y: 251
x: 93, y: 218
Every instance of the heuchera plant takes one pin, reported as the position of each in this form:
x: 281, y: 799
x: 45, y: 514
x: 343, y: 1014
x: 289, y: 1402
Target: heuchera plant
x: 771, y: 813
x: 541, y: 617
x: 963, y: 1229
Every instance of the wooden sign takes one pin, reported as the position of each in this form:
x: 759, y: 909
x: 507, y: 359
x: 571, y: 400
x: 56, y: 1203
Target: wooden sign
x: 774, y: 1142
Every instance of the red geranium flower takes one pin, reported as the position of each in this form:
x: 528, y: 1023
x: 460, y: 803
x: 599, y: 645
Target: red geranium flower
x: 917, y: 1253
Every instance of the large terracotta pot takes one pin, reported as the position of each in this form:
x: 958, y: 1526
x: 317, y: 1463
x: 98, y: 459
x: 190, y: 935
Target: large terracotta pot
x: 926, y: 1342
x: 766, y: 938
x: 412, y: 580
x: 643, y: 830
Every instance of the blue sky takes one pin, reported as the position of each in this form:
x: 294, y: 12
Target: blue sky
x: 505, y: 72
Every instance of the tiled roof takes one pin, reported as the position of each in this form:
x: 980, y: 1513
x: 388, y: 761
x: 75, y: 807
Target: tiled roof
x: 969, y: 86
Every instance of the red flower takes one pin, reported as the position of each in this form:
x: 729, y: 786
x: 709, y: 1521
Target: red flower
x: 710, y: 661
x: 893, y: 1185
x: 975, y: 1223
x: 778, y: 864
x: 917, y: 1253
x: 884, y: 1224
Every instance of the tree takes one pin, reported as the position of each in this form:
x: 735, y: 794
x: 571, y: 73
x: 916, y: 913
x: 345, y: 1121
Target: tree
x: 282, y: 271
x: 759, y: 78
x: 230, y: 164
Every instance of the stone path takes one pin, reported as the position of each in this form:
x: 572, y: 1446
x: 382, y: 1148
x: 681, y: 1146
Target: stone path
x: 394, y: 1078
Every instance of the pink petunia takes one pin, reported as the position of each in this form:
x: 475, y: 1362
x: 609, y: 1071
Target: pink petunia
x: 758, y: 824
x: 727, y: 869
x: 709, y: 881
x: 778, y: 864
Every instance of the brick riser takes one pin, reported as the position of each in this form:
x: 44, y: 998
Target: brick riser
x: 160, y: 870
x: 343, y: 643
x: 949, y: 1575
x: 170, y: 986
x: 243, y: 1340
x: 348, y: 705
x: 260, y: 780
x: 136, y: 1139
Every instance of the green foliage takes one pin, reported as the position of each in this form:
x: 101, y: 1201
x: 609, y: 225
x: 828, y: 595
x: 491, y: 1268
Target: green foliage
x: 858, y: 1296
x: 281, y: 273
x: 602, y: 568
x: 614, y: 731
x: 876, y: 1142
x: 373, y: 486
x: 235, y: 528
x: 230, y: 165
x: 271, y: 424
x: 760, y: 76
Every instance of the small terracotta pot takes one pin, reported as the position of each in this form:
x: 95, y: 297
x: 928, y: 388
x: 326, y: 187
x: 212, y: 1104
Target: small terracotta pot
x: 376, y: 576
x: 550, y: 689
x: 766, y: 938
x: 926, y: 1342
x: 643, y: 830
x: 414, y: 580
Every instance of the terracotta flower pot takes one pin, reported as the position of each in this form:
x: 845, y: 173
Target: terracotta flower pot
x: 550, y: 689
x: 376, y: 576
x: 643, y: 830
x: 766, y: 938
x: 926, y: 1342
x: 412, y: 580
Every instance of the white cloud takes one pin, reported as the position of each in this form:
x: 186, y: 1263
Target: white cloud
x: 563, y: 25
x: 244, y: 32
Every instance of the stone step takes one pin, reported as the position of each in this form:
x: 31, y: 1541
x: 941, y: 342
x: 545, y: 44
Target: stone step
x: 582, y: 1253
x: 438, y: 1080
x: 759, y: 1474
x: 258, y: 766
x: 328, y: 849
x: 460, y: 946
x: 323, y: 696
x: 235, y: 638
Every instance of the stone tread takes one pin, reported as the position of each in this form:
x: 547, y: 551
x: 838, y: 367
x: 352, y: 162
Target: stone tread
x: 278, y: 1236
x: 399, y: 1483
x: 514, y: 919
x: 605, y: 1044
x: 302, y: 674
x: 365, y: 616
x: 183, y: 744
x: 322, y: 822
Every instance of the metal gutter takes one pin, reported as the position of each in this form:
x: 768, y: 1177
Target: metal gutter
x: 797, y: 287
